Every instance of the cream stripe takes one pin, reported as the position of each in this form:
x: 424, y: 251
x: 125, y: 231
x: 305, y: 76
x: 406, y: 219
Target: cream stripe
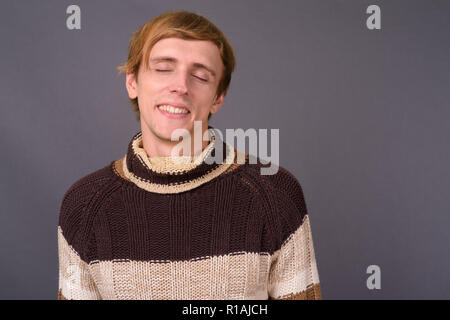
x: 294, y: 267
x: 235, y: 276
x: 75, y: 281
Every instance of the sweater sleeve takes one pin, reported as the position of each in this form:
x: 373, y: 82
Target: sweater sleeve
x: 293, y: 271
x: 75, y: 235
x: 75, y: 280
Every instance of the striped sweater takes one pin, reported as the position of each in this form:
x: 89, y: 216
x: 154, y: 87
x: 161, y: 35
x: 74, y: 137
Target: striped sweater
x: 152, y: 228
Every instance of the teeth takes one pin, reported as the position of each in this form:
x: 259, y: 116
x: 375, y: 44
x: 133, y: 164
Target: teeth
x: 171, y: 109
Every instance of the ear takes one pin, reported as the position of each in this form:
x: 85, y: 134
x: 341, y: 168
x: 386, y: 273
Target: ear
x: 217, y: 103
x: 131, y: 84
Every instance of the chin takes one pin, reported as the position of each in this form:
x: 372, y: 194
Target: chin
x: 166, y: 132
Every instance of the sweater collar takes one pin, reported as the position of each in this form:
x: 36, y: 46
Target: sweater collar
x: 174, y: 175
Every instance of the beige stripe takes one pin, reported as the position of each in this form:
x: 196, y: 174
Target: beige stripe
x: 75, y: 281
x: 235, y: 276
x: 294, y: 267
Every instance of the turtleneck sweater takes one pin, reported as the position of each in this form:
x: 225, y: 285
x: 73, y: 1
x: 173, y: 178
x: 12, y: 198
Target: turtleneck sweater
x: 186, y: 228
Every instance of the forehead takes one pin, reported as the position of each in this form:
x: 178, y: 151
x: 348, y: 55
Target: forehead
x: 188, y: 51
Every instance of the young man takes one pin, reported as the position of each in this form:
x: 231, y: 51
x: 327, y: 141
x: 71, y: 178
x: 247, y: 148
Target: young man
x: 149, y: 227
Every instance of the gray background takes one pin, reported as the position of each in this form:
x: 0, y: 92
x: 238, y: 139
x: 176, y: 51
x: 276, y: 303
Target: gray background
x: 363, y: 118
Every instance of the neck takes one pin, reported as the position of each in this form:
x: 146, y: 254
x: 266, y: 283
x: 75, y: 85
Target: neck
x: 156, y: 146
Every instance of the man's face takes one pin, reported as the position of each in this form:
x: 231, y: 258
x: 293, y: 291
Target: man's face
x: 181, y: 73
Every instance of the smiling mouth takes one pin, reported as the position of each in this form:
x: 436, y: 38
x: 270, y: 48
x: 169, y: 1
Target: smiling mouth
x: 173, y: 110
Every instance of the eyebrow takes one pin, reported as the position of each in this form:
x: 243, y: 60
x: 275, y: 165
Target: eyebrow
x: 172, y: 59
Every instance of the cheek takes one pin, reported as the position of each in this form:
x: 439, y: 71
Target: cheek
x: 205, y: 95
x: 148, y: 87
x: 148, y: 91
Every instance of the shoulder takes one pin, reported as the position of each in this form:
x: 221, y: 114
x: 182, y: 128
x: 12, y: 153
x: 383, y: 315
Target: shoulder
x: 280, y: 184
x: 281, y: 198
x: 74, y: 212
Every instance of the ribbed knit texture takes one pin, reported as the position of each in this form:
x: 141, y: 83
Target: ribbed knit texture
x: 148, y: 228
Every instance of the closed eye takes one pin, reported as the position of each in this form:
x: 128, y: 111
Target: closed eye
x: 204, y: 80
x: 162, y: 70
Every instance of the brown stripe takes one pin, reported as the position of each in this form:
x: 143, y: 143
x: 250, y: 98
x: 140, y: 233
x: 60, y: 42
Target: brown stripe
x: 313, y: 292
x: 115, y: 224
x: 118, y: 169
x: 60, y: 295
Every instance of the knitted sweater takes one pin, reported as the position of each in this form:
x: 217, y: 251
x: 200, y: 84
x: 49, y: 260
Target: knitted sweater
x: 152, y: 228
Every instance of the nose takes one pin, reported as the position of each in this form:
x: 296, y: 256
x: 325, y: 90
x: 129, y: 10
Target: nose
x: 179, y: 83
